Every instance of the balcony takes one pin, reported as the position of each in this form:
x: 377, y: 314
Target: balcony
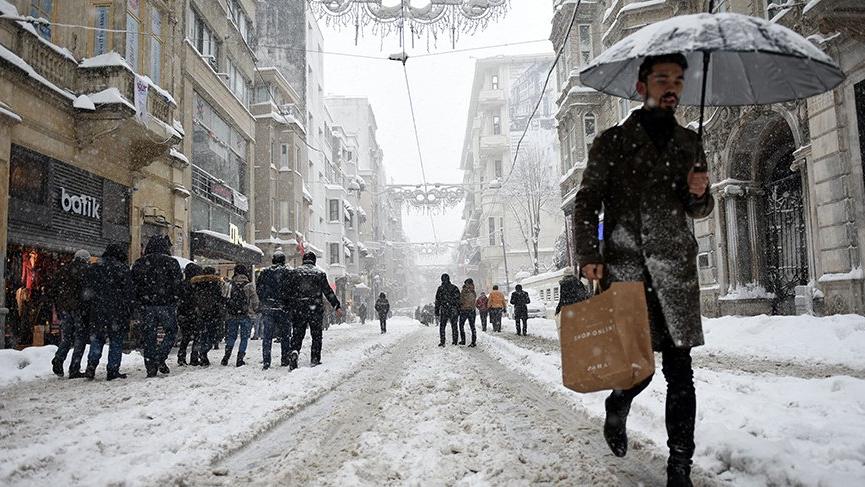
x: 493, y: 143
x: 847, y: 16
x: 491, y: 98
x: 626, y: 16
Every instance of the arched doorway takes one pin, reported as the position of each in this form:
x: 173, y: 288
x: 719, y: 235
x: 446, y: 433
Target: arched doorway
x: 784, y: 228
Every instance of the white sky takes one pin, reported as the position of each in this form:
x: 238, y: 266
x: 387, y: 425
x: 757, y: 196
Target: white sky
x: 440, y: 89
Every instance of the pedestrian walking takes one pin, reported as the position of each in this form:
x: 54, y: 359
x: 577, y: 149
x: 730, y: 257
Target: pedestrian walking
x: 187, y: 320
x: 483, y: 305
x: 209, y: 312
x: 520, y: 301
x: 642, y: 174
x: 361, y: 312
x: 66, y: 292
x: 108, y: 295
x: 158, y: 281
x: 304, y: 288
x: 241, y: 307
x: 274, y: 317
x: 447, y: 305
x: 497, y: 307
x: 382, y: 307
x: 468, y: 305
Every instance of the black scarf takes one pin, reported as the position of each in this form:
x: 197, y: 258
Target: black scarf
x: 659, y: 125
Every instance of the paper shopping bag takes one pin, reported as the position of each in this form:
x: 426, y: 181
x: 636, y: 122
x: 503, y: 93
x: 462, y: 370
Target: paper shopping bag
x: 605, y: 340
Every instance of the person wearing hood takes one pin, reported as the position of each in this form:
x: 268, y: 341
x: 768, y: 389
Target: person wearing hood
x: 497, y: 307
x: 483, y: 305
x: 157, y: 281
x: 382, y: 307
x: 304, y: 288
x: 208, y: 308
x: 274, y: 317
x: 66, y: 292
x: 520, y: 300
x: 108, y: 293
x: 447, y: 306
x: 468, y: 303
x: 186, y: 316
x: 240, y: 307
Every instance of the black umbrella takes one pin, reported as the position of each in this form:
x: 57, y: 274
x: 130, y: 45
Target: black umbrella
x: 746, y: 61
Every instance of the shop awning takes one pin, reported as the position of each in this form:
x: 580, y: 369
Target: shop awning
x: 215, y: 245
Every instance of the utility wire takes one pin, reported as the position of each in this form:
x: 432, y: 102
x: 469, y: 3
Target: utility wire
x: 469, y: 49
x: 559, y: 53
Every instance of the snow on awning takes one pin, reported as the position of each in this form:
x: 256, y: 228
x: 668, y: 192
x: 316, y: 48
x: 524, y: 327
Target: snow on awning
x: 110, y: 96
x: 176, y: 154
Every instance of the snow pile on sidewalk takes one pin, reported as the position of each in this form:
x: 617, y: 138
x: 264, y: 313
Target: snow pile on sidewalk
x: 751, y: 429
x: 136, y: 431
x: 25, y: 365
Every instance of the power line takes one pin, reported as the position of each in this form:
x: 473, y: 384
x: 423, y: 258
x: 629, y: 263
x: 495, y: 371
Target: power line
x: 417, y: 141
x: 559, y: 53
x: 469, y: 49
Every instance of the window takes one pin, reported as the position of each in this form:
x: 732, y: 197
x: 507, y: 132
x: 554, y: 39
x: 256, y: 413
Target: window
x: 241, y: 21
x: 859, y: 101
x: 585, y: 44
x: 494, y: 84
x: 155, y: 45
x: 566, y: 152
x: 42, y: 9
x: 297, y: 161
x: 283, y: 157
x: 333, y: 210
x: 202, y: 38
x: 492, y: 225
x: 237, y: 83
x: 132, y: 26
x: 589, y: 130
x: 497, y: 125
x: 217, y: 147
x: 498, y: 168
x: 624, y: 108
x: 101, y: 22
x: 283, y: 214
x: 572, y: 141
x: 335, y: 250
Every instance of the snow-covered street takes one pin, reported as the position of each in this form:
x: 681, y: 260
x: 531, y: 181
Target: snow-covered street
x: 395, y: 409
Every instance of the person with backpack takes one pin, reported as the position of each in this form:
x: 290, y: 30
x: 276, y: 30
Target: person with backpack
x: 520, y: 300
x: 158, y: 283
x: 274, y: 317
x: 497, y: 307
x: 382, y: 307
x: 66, y: 291
x: 304, y: 288
x: 241, y: 306
x: 468, y: 302
x: 208, y: 312
x: 483, y: 305
x: 108, y: 294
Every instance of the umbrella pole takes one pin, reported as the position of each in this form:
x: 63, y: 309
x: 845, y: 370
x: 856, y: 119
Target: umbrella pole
x: 706, y: 56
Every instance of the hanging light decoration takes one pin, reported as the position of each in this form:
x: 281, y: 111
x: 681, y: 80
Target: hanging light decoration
x: 431, y: 199
x: 417, y: 18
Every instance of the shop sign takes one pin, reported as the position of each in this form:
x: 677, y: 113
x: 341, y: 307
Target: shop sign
x: 240, y: 201
x: 221, y: 191
x: 234, y: 235
x: 82, y: 205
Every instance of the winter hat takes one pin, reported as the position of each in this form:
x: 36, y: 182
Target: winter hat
x: 382, y: 296
x: 278, y: 258
x: 309, y: 258
x: 469, y: 281
x: 116, y: 252
x: 446, y: 278
x: 82, y: 255
x: 241, y: 269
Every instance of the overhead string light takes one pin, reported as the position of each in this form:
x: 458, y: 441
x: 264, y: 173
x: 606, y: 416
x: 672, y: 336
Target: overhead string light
x: 419, y: 17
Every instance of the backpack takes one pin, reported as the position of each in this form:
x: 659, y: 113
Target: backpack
x: 238, y: 301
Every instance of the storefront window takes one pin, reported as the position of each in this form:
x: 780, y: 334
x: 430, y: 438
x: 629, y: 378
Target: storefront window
x: 28, y: 176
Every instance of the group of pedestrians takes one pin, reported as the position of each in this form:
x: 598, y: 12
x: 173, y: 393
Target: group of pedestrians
x: 96, y: 303
x: 462, y: 306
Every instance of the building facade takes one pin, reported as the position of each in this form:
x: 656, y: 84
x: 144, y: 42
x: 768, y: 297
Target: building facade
x: 787, y: 179
x: 511, y: 215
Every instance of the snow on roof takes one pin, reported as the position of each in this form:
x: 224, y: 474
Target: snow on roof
x: 178, y: 127
x: 178, y: 155
x: 110, y: 96
x: 254, y: 248
x: 5, y: 110
x: 334, y: 187
x: 639, y: 5
x: 13, y: 58
x: 83, y: 102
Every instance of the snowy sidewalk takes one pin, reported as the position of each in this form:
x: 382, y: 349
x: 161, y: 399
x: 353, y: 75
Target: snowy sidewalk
x: 784, y: 425
x: 137, y: 431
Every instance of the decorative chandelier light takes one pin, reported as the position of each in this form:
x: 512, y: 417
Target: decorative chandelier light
x: 413, y: 17
x: 431, y: 199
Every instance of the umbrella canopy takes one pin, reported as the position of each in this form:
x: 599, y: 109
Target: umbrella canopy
x: 752, y: 61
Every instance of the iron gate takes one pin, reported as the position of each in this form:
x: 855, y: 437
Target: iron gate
x: 787, y: 250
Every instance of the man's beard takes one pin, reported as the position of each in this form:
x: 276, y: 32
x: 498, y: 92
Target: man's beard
x: 651, y: 104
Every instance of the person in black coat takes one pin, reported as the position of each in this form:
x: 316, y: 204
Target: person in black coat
x: 274, y: 317
x: 209, y: 311
x: 304, y: 288
x: 108, y: 296
x: 361, y: 313
x: 382, y: 307
x: 158, y: 282
x: 520, y: 300
x: 186, y: 316
x: 66, y: 292
x: 447, y: 307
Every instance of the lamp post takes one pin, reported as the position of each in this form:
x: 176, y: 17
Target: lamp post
x: 505, y: 257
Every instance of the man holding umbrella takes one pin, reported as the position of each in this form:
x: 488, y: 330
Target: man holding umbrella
x: 643, y: 175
